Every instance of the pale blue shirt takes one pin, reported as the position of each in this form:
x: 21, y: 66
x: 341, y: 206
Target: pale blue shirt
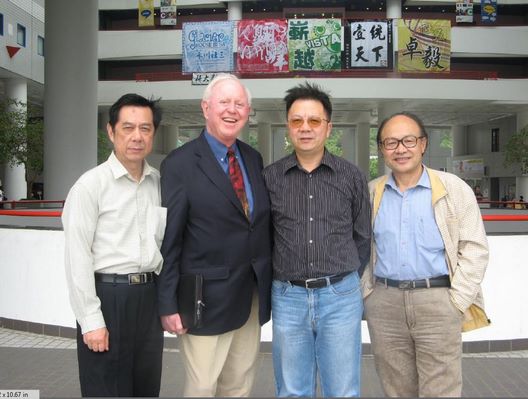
x: 408, y: 243
x: 220, y: 153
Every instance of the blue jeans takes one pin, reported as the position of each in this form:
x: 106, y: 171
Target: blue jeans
x: 317, y: 330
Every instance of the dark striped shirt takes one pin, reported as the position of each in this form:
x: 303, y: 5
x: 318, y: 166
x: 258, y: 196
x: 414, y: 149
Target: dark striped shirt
x: 321, y: 220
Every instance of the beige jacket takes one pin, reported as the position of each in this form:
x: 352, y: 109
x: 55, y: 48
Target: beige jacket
x: 460, y: 223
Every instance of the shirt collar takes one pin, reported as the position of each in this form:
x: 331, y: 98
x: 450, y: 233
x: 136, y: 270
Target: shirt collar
x: 118, y: 170
x: 422, y: 182
x: 328, y: 160
x: 219, y: 149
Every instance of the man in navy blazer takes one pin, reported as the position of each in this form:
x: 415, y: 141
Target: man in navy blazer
x: 208, y: 233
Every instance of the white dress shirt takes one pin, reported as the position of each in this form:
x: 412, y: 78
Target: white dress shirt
x: 112, y: 224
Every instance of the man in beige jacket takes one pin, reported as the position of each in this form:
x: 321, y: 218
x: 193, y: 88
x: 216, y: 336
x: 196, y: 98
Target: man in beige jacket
x: 429, y: 255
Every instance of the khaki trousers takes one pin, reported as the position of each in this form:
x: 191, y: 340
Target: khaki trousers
x: 416, y: 340
x: 222, y: 365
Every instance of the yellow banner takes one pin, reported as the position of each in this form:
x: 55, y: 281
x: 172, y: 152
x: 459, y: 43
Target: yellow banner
x: 424, y: 45
x: 145, y: 13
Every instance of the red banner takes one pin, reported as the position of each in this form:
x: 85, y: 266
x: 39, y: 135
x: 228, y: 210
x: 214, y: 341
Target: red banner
x: 262, y: 46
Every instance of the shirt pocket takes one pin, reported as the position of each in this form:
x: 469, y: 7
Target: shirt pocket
x: 429, y: 236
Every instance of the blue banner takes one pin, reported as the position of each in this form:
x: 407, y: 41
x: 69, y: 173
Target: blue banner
x: 207, y: 46
x: 488, y: 11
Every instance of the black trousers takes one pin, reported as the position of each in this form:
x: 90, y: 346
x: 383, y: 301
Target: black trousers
x: 132, y: 366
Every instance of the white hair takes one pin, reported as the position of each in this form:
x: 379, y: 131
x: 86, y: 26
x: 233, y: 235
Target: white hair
x: 219, y: 78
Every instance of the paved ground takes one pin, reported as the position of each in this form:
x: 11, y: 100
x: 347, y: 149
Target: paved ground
x: 49, y: 364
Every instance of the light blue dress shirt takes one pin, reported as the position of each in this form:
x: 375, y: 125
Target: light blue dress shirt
x: 220, y: 153
x: 408, y: 243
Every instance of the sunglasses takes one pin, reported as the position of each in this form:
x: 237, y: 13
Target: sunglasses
x: 313, y: 122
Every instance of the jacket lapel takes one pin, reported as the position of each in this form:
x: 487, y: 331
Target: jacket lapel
x: 212, y: 169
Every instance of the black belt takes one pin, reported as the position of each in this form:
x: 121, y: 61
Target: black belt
x: 441, y: 281
x: 320, y: 282
x: 130, y: 279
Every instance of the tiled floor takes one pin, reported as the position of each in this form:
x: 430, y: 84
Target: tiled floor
x: 49, y: 364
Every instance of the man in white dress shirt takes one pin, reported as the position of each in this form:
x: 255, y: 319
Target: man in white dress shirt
x: 114, y: 224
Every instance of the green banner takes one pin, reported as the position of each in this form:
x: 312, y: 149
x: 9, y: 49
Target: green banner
x: 314, y: 44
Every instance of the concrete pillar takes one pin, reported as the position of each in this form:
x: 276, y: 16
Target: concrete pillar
x: 171, y: 133
x: 394, y: 9
x: 522, y: 119
x: 234, y: 11
x: 363, y: 147
x: 521, y: 187
x: 244, y: 135
x: 394, y: 12
x: 348, y: 144
x: 70, y: 98
x: 158, y: 142
x: 459, y: 135
x: 102, y: 120
x: 279, y: 140
x: 265, y: 142
x: 384, y: 111
x: 15, y: 186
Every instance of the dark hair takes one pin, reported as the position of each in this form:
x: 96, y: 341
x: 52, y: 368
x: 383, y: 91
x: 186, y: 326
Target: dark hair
x: 134, y: 100
x: 308, y: 91
x: 409, y: 115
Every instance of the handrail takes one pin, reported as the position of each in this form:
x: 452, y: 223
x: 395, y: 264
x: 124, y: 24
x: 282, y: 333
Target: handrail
x: 33, y: 213
x: 505, y: 218
x: 17, y: 212
x: 13, y: 203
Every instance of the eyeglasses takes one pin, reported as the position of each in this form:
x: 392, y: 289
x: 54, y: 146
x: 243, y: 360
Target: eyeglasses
x: 313, y: 122
x: 408, y: 142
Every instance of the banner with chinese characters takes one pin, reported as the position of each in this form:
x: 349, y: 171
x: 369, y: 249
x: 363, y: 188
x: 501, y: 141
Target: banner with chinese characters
x: 370, y: 45
x: 168, y: 12
x: 424, y: 45
x: 488, y: 11
x: 145, y: 13
x: 464, y: 11
x: 262, y: 45
x: 314, y: 44
x: 207, y: 46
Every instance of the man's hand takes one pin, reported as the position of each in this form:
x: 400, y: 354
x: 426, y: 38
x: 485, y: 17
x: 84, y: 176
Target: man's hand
x: 172, y: 323
x: 97, y: 340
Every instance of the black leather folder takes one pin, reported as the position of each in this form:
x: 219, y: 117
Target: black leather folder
x: 190, y: 300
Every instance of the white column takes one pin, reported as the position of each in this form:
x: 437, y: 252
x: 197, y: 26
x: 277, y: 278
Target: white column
x: 384, y: 111
x: 394, y: 9
x: 363, y: 147
x: 521, y: 187
x: 459, y: 136
x: 522, y: 119
x: 279, y: 137
x: 244, y: 135
x: 70, y: 98
x: 159, y: 139
x: 171, y: 134
x: 102, y: 120
x: 348, y: 144
x: 265, y: 142
x: 234, y: 11
x: 15, y: 185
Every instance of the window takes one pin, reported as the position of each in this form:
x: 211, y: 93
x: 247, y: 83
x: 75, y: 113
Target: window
x: 1, y: 24
x: 495, y: 140
x: 21, y: 35
x: 40, y: 45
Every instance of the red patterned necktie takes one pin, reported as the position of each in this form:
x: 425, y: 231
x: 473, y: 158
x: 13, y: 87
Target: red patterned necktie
x: 237, y: 180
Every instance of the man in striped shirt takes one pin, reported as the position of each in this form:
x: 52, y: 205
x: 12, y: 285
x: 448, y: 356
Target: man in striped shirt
x: 321, y: 222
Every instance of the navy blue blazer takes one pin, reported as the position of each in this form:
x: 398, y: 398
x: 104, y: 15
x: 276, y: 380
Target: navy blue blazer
x: 208, y: 233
